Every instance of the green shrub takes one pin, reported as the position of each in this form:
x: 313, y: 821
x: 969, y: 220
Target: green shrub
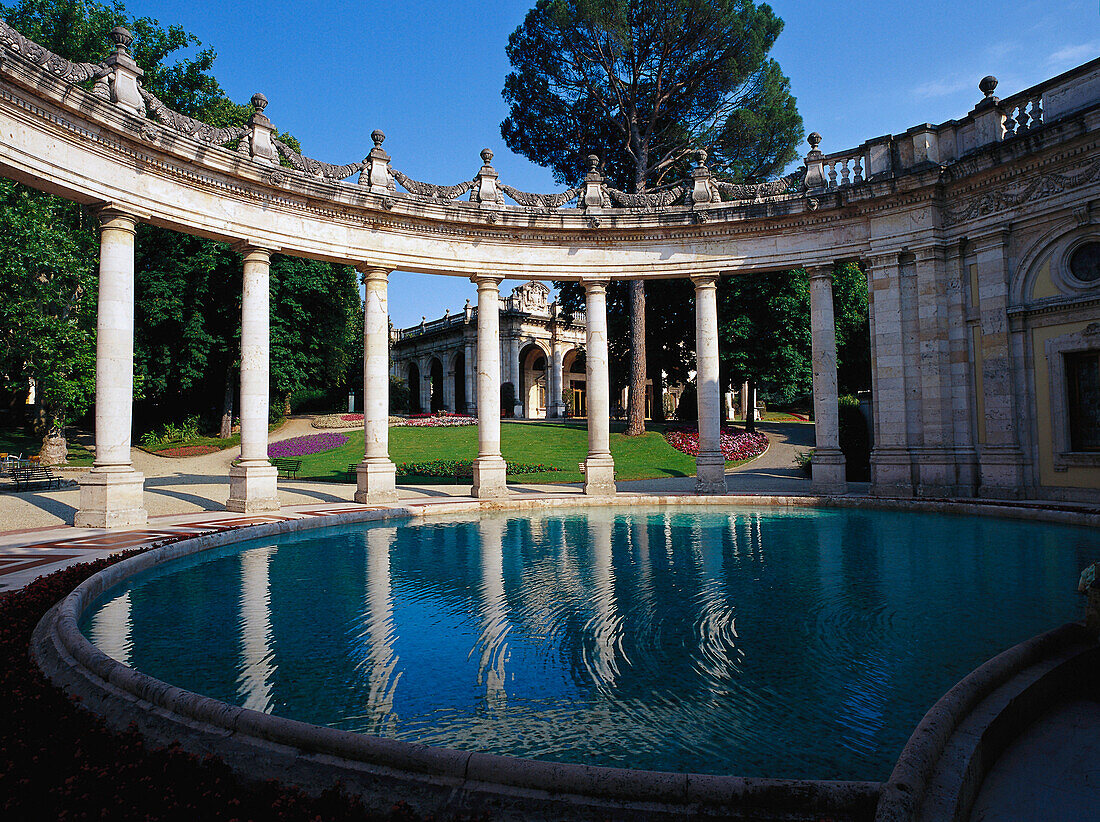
x: 855, y: 440
x: 507, y: 399
x: 310, y: 401
x: 399, y: 394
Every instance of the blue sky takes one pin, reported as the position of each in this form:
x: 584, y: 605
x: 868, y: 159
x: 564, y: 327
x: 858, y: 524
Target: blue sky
x: 429, y: 74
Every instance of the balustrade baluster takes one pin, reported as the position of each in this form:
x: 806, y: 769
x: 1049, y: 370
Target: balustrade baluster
x: 844, y: 172
x: 832, y: 174
x: 857, y: 176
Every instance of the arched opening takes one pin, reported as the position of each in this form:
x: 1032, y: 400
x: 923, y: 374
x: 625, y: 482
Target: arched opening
x: 532, y: 393
x: 573, y: 376
x: 414, y: 389
x: 436, y: 401
x: 459, y: 391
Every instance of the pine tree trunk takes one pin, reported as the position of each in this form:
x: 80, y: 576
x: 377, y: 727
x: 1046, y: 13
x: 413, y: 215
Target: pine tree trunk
x: 227, y: 406
x: 636, y: 415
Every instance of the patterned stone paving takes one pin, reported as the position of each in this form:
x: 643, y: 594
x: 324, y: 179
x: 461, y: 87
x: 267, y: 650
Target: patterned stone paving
x: 22, y: 563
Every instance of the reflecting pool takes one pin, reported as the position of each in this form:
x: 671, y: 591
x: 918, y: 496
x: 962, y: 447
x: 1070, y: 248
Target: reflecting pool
x: 757, y: 642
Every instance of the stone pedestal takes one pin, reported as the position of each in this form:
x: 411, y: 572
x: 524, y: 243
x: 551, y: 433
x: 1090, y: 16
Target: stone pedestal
x: 891, y: 472
x: 253, y: 487
x: 111, y: 499
x: 489, y: 468
x: 710, y: 466
x: 828, y: 472
x: 599, y: 467
x: 376, y: 475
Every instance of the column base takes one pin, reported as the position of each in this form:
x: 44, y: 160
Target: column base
x: 111, y: 499
x: 599, y: 476
x: 710, y: 474
x: 827, y: 472
x: 490, y: 478
x: 253, y: 488
x: 1002, y: 473
x: 937, y: 472
x: 376, y: 482
x: 891, y: 472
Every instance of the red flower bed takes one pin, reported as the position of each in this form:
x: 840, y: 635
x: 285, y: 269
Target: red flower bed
x: 735, y: 446
x: 58, y: 761
x: 351, y: 417
x: 189, y: 451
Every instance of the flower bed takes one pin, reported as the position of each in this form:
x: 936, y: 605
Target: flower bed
x: 307, y: 444
x: 438, y: 421
x: 338, y: 421
x: 463, y: 469
x: 734, y: 446
x: 188, y: 451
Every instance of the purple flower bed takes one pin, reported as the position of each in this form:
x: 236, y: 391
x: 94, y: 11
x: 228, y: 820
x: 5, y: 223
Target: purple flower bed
x: 308, y: 444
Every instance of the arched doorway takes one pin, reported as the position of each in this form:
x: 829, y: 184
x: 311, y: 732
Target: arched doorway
x: 413, y: 377
x: 533, y: 386
x: 459, y: 391
x: 573, y: 375
x: 436, y: 401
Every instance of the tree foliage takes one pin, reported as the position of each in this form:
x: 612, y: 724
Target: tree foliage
x: 642, y: 83
x: 187, y: 290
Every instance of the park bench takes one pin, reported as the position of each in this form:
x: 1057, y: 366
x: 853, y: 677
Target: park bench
x: 350, y: 475
x: 287, y: 467
x: 34, y: 475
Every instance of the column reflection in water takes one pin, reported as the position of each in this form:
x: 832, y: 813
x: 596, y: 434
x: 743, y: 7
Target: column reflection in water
x: 381, y: 659
x: 605, y: 625
x: 112, y: 629
x: 257, y: 653
x: 492, y: 642
x: 716, y: 631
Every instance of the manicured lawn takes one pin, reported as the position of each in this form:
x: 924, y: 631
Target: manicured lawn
x: 560, y: 444
x: 215, y: 442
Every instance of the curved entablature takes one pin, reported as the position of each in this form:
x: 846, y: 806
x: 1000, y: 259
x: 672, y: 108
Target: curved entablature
x: 118, y: 145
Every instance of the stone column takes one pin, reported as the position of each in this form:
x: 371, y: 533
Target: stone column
x: 468, y: 376
x: 1001, y: 460
x: 710, y: 466
x: 516, y: 367
x: 556, y: 407
x: 376, y: 474
x: 111, y: 493
x: 489, y: 468
x: 426, y: 386
x: 891, y: 463
x: 252, y: 480
x: 828, y: 464
x: 599, y: 467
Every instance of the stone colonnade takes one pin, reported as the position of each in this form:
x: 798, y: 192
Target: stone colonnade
x: 111, y: 493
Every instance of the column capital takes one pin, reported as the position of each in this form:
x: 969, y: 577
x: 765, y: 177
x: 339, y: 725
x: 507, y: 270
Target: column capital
x: 705, y: 280
x: 492, y: 281
x: 820, y: 272
x: 252, y: 252
x: 595, y: 284
x: 373, y: 273
x: 116, y: 218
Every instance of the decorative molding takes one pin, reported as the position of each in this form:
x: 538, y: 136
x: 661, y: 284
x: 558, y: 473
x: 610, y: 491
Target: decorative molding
x: 316, y: 168
x: 431, y: 190
x: 1016, y: 194
x: 189, y: 126
x: 45, y: 59
x: 548, y: 202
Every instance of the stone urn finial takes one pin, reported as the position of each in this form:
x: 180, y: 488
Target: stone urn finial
x: 486, y: 156
x: 378, y: 136
x: 121, y: 38
x: 988, y: 85
x: 593, y: 163
x: 814, y: 140
x: 259, y: 102
x: 701, y: 158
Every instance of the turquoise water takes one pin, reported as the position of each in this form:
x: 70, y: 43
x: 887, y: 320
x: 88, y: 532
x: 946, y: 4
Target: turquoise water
x: 742, y: 641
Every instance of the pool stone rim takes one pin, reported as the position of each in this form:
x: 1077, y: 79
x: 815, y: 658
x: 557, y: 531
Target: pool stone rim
x: 436, y: 779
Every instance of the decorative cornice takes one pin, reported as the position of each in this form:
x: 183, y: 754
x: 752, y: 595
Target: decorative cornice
x: 1015, y: 194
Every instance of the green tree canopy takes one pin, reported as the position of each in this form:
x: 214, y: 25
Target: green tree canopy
x: 642, y: 83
